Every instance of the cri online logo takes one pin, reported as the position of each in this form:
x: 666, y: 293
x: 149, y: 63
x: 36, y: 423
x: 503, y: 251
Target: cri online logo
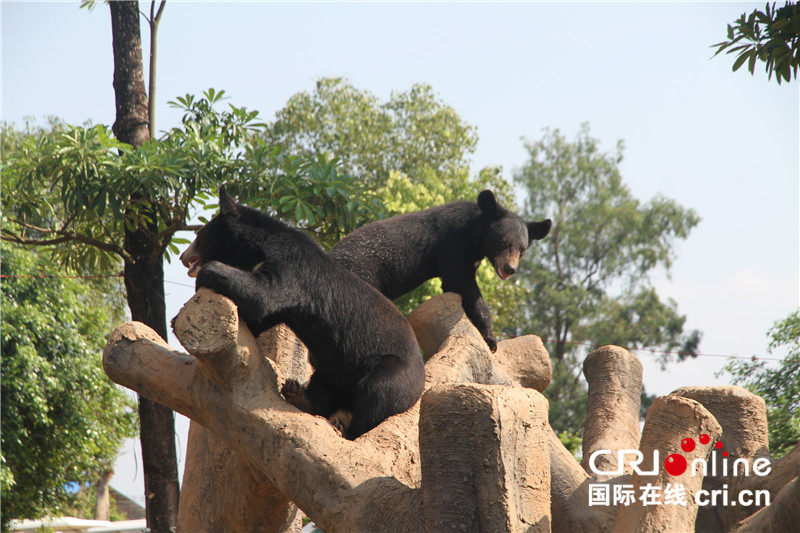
x: 668, y: 492
x: 676, y: 464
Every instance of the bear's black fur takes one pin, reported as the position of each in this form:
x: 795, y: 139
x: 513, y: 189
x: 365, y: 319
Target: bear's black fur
x: 364, y: 352
x: 449, y: 241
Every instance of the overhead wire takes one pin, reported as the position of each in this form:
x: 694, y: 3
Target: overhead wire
x: 551, y: 341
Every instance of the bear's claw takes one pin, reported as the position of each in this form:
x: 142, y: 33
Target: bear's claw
x: 491, y: 343
x: 295, y: 394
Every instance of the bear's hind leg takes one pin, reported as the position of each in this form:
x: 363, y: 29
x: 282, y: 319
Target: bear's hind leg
x: 390, y: 388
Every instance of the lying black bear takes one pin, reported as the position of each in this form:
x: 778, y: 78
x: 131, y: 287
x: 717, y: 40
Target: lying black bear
x: 365, y: 356
x: 398, y: 254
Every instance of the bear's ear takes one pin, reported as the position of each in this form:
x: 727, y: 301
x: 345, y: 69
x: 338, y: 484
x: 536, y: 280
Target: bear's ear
x: 488, y: 204
x: 226, y: 203
x: 538, y: 230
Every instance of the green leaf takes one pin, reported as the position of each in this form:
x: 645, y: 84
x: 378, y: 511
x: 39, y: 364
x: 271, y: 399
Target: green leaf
x: 740, y: 61
x: 63, y: 420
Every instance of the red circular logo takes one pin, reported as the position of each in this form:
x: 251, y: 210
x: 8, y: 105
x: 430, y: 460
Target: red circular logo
x: 675, y: 464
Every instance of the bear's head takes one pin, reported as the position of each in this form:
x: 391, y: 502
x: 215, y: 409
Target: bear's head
x: 229, y: 237
x: 507, y: 236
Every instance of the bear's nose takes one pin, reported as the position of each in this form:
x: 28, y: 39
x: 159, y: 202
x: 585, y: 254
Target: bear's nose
x: 509, y: 270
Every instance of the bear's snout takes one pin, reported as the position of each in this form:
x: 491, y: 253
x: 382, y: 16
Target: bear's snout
x: 506, y: 264
x: 191, y: 260
x: 505, y: 270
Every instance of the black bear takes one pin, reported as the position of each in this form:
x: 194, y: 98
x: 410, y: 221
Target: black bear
x: 449, y: 241
x: 364, y: 353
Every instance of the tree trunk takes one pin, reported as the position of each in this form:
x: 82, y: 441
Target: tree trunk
x: 144, y: 277
x: 102, y: 500
x: 144, y: 283
x: 131, y: 123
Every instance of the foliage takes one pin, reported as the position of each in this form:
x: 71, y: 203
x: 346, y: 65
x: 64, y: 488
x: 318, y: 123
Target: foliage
x: 78, y: 187
x: 568, y: 396
x: 588, y: 282
x: 411, y: 133
x: 63, y: 420
x: 771, y: 36
x: 780, y: 387
x: 644, y: 320
x: 645, y: 401
x: 591, y: 282
x: 85, y: 499
x: 573, y: 442
x: 95, y: 200
x: 412, y: 151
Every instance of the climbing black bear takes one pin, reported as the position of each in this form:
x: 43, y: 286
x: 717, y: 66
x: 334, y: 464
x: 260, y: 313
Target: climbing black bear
x: 449, y: 241
x: 365, y: 356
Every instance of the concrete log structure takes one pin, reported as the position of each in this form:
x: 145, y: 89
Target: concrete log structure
x: 476, y: 453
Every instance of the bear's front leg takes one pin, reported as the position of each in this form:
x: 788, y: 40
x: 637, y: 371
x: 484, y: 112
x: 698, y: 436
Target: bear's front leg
x: 476, y: 309
x: 249, y: 291
x: 295, y: 394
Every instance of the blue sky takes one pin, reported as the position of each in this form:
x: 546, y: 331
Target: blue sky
x: 723, y: 143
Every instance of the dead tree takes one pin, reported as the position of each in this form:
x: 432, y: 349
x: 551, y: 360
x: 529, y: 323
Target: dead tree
x: 475, y: 454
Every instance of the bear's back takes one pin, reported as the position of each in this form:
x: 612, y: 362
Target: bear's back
x: 397, y: 254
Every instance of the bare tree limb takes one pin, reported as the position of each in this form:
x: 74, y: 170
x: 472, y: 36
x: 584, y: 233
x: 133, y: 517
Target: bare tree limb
x: 63, y: 236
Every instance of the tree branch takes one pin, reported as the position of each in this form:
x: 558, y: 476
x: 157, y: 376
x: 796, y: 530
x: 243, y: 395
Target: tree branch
x: 153, y: 22
x: 64, y: 236
x: 12, y: 237
x: 173, y: 226
x: 160, y: 10
x: 191, y: 227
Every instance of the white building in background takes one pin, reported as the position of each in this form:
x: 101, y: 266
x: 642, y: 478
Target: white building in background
x: 70, y: 524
